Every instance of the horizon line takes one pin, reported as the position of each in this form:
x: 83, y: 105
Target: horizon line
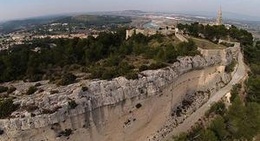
x: 197, y: 13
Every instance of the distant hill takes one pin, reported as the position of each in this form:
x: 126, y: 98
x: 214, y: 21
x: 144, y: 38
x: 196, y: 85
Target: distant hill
x: 120, y: 13
x: 14, y: 25
x: 133, y: 12
x: 111, y: 17
x: 95, y: 19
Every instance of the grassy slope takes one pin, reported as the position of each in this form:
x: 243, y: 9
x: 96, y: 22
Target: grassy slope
x: 205, y: 44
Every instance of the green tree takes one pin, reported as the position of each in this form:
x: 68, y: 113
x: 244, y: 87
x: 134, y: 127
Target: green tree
x: 7, y: 107
x: 218, y: 126
x: 207, y: 135
x: 67, y: 78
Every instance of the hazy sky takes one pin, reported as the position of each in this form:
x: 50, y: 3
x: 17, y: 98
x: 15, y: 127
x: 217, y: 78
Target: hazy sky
x: 13, y: 9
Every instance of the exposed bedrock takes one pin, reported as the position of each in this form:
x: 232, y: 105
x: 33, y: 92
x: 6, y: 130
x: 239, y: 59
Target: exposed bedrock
x: 125, y: 110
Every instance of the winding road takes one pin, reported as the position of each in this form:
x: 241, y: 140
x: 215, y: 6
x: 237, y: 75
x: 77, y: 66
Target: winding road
x: 239, y: 74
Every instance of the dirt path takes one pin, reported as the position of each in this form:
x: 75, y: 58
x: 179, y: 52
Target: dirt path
x: 181, y: 38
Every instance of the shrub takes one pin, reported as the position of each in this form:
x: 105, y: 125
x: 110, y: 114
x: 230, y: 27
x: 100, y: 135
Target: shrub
x: 74, y: 67
x: 143, y: 68
x: 11, y: 89
x: 66, y: 132
x: 40, y: 90
x: 218, y: 108
x: 72, y: 104
x: 235, y: 92
x: 230, y: 68
x: 54, y: 91
x: 34, y: 78
x: 84, y: 88
x: 47, y: 111
x: 131, y: 75
x: 3, y: 89
x: 30, y: 108
x: 1, y: 132
x: 31, y: 90
x: 67, y: 79
x: 108, y: 74
x: 96, y: 72
x: 7, y: 107
x: 50, y: 111
x: 227, y: 44
x: 37, y: 84
x: 157, y: 65
x: 138, y: 105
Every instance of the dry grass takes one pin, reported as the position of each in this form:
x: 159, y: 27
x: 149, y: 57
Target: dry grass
x: 205, y: 44
x: 138, y: 61
x: 166, y: 41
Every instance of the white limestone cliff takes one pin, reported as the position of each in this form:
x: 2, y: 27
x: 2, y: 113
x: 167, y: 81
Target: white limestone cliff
x: 120, y: 109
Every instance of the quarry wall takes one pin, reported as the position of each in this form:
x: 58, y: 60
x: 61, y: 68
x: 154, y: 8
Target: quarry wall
x: 127, y: 110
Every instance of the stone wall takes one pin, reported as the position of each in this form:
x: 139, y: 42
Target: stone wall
x: 123, y: 109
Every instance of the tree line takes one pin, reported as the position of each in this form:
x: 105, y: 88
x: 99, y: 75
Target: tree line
x: 103, y: 57
x: 215, y: 32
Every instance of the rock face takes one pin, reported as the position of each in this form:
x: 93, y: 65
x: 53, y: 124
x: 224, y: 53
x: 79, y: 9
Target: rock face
x: 121, y: 109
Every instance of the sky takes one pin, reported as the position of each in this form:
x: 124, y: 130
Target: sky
x: 17, y: 9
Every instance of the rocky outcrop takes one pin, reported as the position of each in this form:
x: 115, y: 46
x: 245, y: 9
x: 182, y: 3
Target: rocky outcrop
x: 120, y: 109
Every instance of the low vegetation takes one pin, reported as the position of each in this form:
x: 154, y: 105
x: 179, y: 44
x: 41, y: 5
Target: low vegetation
x: 227, y: 44
x: 11, y: 90
x: 231, y: 67
x: 84, y: 88
x: 37, y: 84
x: 235, y: 92
x: 54, y: 91
x: 67, y: 79
x: 1, y: 132
x: 66, y: 133
x: 72, y: 104
x: 50, y: 111
x: 213, y: 33
x: 217, y: 108
x: 239, y: 122
x: 206, y: 44
x: 105, y: 57
x: 7, y: 107
x: 30, y: 108
x: 3, y: 89
x: 31, y: 90
x: 95, y: 20
x: 252, y: 55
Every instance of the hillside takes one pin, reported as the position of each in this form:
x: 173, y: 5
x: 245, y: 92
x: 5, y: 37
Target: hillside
x: 87, y: 20
x: 97, y: 20
x: 109, y: 52
x: 139, y: 89
x: 14, y: 25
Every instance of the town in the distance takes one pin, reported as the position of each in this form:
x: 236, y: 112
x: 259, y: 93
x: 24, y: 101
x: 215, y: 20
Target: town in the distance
x: 84, y: 25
